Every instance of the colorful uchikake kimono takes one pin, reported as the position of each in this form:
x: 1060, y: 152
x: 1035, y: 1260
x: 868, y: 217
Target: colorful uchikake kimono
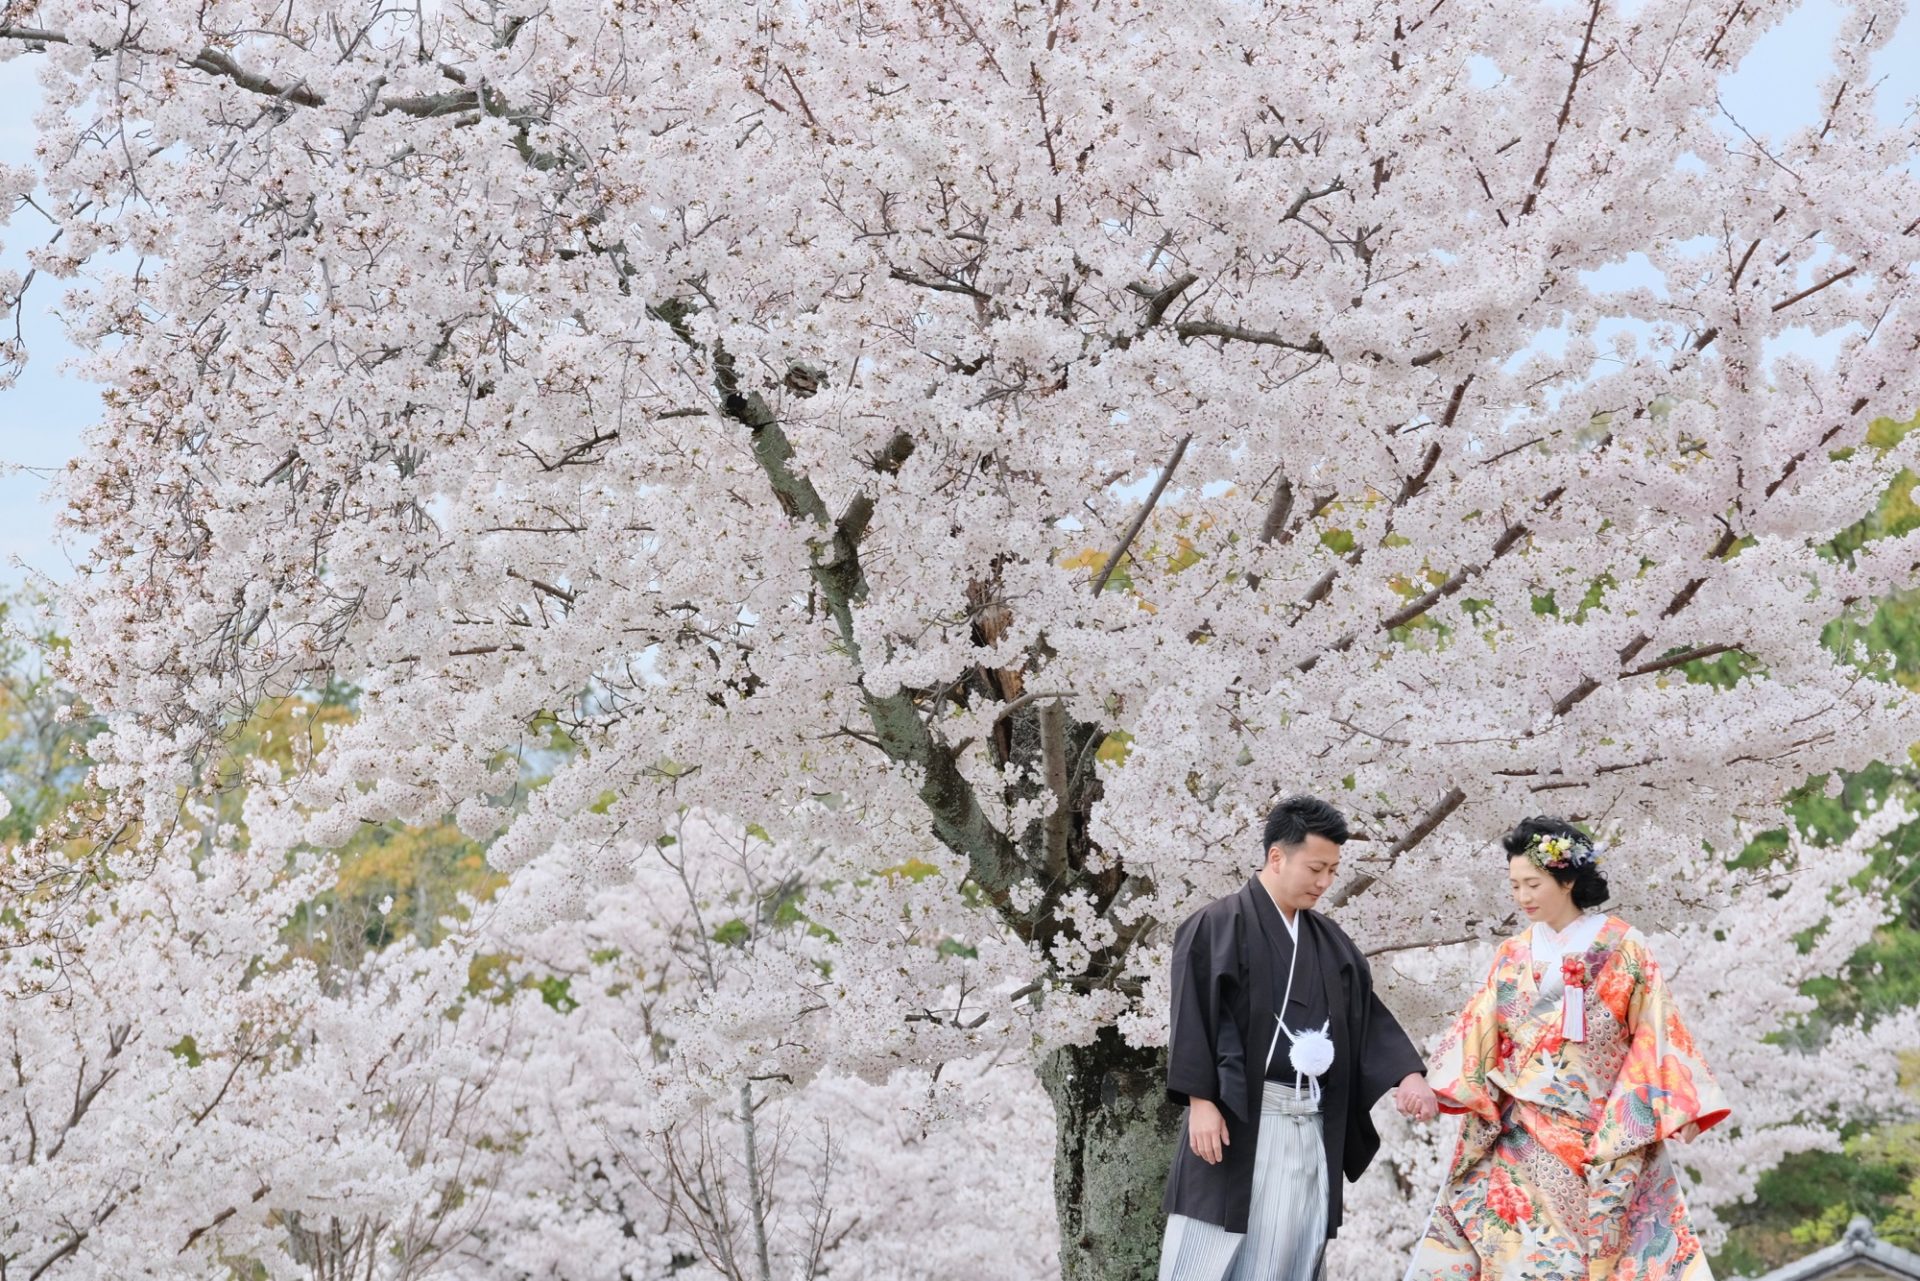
x: 1570, y: 1078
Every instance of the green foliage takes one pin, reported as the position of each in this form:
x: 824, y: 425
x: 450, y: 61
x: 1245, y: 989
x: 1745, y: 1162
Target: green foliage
x: 1888, y: 638
x: 1338, y: 541
x: 1807, y: 1201
x: 43, y: 731
x: 557, y: 993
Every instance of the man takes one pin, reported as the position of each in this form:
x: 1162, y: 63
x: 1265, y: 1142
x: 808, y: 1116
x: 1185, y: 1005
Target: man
x: 1278, y: 1048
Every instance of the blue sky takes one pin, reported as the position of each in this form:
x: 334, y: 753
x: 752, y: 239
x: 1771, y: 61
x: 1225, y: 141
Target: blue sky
x: 43, y: 415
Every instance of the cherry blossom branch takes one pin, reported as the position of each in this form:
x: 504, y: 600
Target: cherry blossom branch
x: 217, y: 63
x: 220, y: 1218
x: 1811, y: 290
x: 1187, y: 329
x: 1140, y: 517
x: 1681, y: 659
x: 1684, y: 597
x: 1566, y: 110
x: 1420, y: 831
x: 1510, y: 538
x: 1410, y: 488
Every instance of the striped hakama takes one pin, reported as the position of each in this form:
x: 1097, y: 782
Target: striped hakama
x: 1287, y: 1220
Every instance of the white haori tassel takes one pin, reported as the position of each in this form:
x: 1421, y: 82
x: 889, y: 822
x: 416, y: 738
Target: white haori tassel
x: 1311, y: 1056
x: 1312, y: 1052
x: 1573, y: 1013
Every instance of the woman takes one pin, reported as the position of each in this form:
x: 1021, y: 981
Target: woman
x: 1571, y: 1069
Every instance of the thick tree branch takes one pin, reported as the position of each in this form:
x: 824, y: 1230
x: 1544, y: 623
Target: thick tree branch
x: 1053, y: 757
x: 214, y: 62
x: 1187, y: 329
x: 1158, y: 304
x: 948, y: 286
x: 959, y: 820
x: 1680, y: 660
x: 218, y: 63
x: 1278, y: 509
x: 1835, y: 278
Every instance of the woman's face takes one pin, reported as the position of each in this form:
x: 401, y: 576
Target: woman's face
x: 1536, y: 892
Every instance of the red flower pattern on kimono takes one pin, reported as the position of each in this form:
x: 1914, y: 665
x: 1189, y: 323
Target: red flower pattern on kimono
x: 1682, y: 1097
x: 1506, y: 1199
x: 1615, y: 988
x: 1678, y: 1035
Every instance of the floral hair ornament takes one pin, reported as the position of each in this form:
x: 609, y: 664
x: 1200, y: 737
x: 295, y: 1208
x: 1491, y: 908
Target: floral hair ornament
x: 1559, y: 853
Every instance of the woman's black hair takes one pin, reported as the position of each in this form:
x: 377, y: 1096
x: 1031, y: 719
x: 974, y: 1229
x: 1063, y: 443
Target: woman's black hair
x: 1588, y: 881
x: 1298, y: 817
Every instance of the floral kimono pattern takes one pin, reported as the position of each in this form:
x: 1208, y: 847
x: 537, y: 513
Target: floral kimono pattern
x: 1562, y: 1171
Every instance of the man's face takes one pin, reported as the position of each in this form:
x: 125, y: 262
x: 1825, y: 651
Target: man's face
x: 1304, y: 871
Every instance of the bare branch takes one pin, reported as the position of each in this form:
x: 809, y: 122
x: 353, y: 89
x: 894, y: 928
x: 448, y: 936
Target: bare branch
x: 948, y: 286
x: 1809, y: 292
x: 1140, y: 518
x: 1681, y: 659
x: 1420, y: 831
x: 1237, y: 333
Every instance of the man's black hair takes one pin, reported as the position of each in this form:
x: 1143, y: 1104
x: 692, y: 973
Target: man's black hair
x: 1293, y: 820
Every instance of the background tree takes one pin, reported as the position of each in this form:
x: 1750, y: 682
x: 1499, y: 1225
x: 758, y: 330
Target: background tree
x: 220, y: 1067
x: 741, y: 392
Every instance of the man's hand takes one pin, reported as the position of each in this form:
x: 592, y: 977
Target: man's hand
x: 1415, y: 1099
x: 1207, y: 1131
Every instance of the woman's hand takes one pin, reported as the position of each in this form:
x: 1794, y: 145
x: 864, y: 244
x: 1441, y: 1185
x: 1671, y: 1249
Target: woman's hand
x: 1206, y: 1131
x: 1415, y: 1098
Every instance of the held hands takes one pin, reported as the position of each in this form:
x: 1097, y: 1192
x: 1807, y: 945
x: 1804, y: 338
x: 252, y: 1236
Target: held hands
x: 1206, y: 1131
x: 1207, y: 1128
x: 1415, y: 1099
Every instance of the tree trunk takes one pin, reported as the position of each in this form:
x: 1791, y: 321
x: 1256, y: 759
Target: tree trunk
x: 1116, y: 1136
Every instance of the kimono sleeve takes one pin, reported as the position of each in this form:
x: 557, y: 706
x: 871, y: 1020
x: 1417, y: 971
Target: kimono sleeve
x: 1470, y: 1052
x: 1664, y: 1090
x: 1205, y: 1059
x: 1387, y: 1055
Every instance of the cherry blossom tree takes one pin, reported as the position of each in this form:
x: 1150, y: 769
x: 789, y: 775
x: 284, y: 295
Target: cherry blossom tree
x: 1015, y: 441
x: 699, y: 1074
x: 194, y: 1098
